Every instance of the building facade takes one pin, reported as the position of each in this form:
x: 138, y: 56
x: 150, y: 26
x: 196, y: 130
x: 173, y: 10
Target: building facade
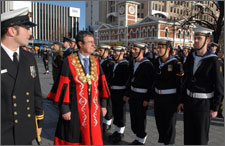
x: 172, y: 10
x: 113, y: 25
x: 149, y: 30
x: 53, y: 22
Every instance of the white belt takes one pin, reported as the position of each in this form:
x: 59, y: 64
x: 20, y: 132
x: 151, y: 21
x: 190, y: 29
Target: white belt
x: 200, y: 95
x: 139, y: 90
x: 166, y: 91
x: 118, y: 87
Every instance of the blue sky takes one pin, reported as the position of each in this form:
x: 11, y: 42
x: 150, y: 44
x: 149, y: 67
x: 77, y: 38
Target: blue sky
x: 77, y: 4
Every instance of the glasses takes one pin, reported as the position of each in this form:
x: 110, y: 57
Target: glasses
x: 92, y: 42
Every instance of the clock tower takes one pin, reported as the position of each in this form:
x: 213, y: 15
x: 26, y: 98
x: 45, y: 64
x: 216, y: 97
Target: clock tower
x: 127, y: 12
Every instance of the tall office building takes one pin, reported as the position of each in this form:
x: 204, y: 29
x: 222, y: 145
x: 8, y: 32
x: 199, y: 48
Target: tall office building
x: 53, y: 22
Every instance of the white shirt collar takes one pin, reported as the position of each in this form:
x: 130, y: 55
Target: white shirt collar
x: 10, y: 52
x: 66, y: 49
x: 82, y: 56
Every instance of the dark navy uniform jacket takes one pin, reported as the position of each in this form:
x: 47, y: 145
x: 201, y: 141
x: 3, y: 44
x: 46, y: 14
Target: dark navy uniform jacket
x: 21, y: 99
x: 208, y: 78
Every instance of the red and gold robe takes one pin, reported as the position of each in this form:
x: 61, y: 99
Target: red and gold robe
x: 80, y: 93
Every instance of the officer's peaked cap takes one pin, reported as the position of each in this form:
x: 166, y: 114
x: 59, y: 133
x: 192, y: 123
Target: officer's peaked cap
x: 214, y: 44
x: 118, y: 48
x: 65, y: 39
x: 73, y: 40
x: 16, y: 17
x: 58, y: 43
x: 163, y: 41
x: 139, y: 45
x: 202, y: 31
x: 105, y: 47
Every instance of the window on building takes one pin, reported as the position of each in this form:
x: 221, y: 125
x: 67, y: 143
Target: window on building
x: 137, y: 34
x: 149, y: 32
x: 159, y: 7
x: 138, y: 15
x: 166, y: 32
x: 188, y: 34
x: 181, y: 12
x: 142, y: 15
x: 144, y: 33
x: 155, y: 6
x: 177, y: 11
x: 131, y: 34
x: 187, y: 4
x: 171, y: 9
x: 183, y: 34
x: 142, y: 6
x: 153, y: 32
x: 138, y: 6
x: 179, y: 33
x: 174, y: 10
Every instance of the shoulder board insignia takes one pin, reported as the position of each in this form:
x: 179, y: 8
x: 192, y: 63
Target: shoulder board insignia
x: 221, y: 69
x: 180, y: 74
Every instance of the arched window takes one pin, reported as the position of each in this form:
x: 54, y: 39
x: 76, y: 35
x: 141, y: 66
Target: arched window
x: 113, y: 36
x: 121, y: 35
x: 179, y: 33
x: 166, y: 32
x: 153, y: 32
x: 144, y: 33
x: 137, y: 34
x: 131, y: 34
x: 149, y: 32
x: 188, y: 34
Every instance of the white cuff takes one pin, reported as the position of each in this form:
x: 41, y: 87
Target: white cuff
x: 107, y: 122
x: 141, y: 140
x: 119, y: 129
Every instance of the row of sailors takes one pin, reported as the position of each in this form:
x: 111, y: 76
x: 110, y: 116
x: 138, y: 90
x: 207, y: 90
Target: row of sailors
x: 197, y: 84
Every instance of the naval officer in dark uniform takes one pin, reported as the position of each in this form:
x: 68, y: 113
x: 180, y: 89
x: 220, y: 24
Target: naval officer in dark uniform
x: 118, y: 80
x: 139, y: 91
x: 169, y: 72
x: 106, y: 63
x: 21, y: 106
x: 203, y: 89
x: 67, y: 49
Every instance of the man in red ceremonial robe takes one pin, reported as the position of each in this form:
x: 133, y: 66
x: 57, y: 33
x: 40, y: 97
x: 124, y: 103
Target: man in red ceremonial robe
x: 81, y: 85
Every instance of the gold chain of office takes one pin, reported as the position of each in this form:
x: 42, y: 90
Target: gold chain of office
x: 80, y: 71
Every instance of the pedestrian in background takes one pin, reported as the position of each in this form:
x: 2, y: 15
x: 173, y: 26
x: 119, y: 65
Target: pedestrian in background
x: 57, y: 60
x: 45, y: 58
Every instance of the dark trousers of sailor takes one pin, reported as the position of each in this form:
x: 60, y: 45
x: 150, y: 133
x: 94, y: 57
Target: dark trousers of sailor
x: 138, y: 115
x: 165, y: 107
x: 109, y: 113
x: 196, y: 121
x: 118, y: 108
x: 45, y: 64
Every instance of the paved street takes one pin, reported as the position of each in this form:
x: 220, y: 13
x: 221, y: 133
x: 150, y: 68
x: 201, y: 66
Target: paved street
x: 216, y: 136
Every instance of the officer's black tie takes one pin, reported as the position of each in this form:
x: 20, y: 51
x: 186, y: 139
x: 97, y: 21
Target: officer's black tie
x: 15, y: 59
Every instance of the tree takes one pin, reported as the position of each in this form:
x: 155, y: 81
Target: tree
x: 197, y: 18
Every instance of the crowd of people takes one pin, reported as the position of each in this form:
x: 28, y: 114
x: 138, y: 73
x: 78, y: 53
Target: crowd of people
x: 91, y: 87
